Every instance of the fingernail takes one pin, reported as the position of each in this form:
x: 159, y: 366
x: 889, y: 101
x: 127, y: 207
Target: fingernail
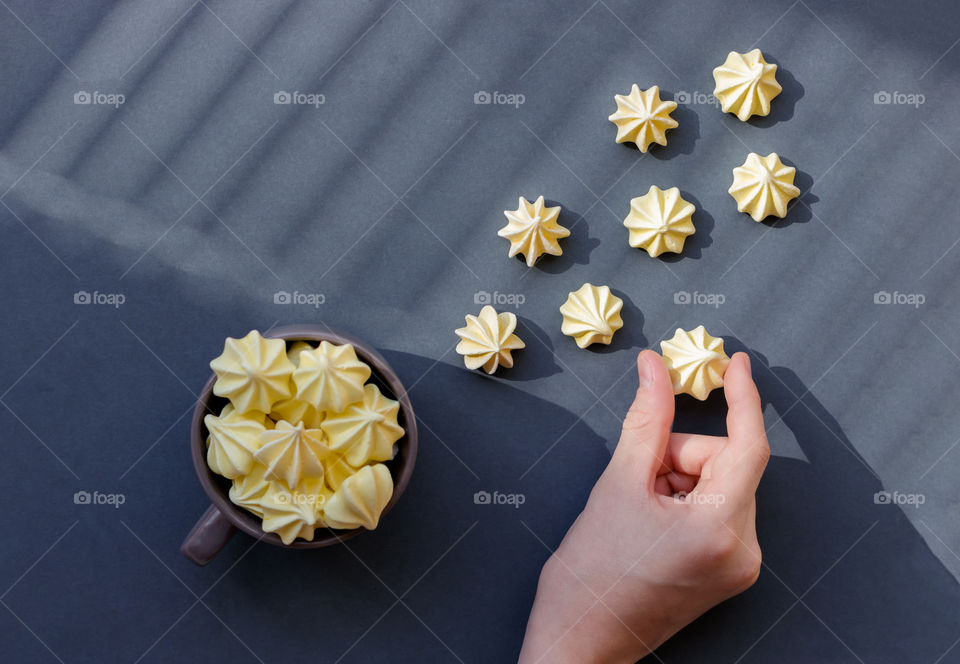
x: 645, y: 371
x: 749, y: 369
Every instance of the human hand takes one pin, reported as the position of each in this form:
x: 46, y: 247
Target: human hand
x: 639, y: 564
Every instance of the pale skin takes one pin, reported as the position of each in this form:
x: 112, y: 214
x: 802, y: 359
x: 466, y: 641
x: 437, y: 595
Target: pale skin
x: 640, y: 563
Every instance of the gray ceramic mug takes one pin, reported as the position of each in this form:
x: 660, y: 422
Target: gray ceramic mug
x: 222, y: 519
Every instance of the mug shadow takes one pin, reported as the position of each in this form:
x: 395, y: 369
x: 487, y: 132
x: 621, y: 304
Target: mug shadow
x: 500, y: 476
x: 842, y: 574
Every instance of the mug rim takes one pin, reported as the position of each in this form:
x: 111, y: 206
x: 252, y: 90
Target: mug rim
x: 401, y: 466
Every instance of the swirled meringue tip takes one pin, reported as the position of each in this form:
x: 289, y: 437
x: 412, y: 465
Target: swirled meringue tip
x: 763, y: 186
x: 533, y: 230
x: 232, y: 441
x: 294, y: 349
x: 746, y: 84
x: 591, y: 315
x: 488, y: 340
x: 289, y: 514
x: 366, y: 430
x: 249, y: 489
x: 292, y: 453
x: 660, y: 221
x: 695, y: 361
x: 252, y: 372
x: 330, y: 377
x: 642, y: 117
x: 360, y: 499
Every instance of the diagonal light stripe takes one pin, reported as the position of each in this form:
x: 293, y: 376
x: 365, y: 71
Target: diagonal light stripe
x: 442, y: 43
x: 358, y: 40
x: 159, y: 39
x: 214, y: 14
x: 45, y: 153
x: 559, y: 39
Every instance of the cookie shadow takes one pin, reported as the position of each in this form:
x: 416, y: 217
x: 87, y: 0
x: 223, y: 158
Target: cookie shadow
x: 630, y: 335
x: 577, y: 247
x: 800, y: 209
x: 783, y: 105
x: 704, y: 223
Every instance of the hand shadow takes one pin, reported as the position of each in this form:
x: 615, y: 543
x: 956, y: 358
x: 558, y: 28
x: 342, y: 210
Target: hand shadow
x: 866, y: 580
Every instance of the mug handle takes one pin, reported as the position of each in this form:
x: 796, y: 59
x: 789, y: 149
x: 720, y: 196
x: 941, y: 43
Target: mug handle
x: 210, y: 534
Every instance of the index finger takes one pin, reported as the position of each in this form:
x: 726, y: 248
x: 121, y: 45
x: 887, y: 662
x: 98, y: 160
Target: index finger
x: 744, y: 458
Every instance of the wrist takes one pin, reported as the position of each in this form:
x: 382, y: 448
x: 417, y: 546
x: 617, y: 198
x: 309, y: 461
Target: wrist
x: 572, y: 621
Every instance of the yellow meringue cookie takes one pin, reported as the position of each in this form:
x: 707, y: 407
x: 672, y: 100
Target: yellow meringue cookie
x: 763, y: 186
x: 696, y: 362
x: 337, y: 470
x: 642, y: 117
x: 294, y: 350
x: 233, y: 439
x: 360, y: 499
x: 287, y: 515
x: 533, y: 230
x: 330, y: 377
x: 292, y: 453
x: 249, y: 489
x: 660, y: 221
x: 253, y: 372
x: 591, y: 314
x: 746, y: 84
x: 488, y: 339
x: 366, y: 430
x: 294, y: 410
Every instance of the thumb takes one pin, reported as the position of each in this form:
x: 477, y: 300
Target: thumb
x: 646, y: 428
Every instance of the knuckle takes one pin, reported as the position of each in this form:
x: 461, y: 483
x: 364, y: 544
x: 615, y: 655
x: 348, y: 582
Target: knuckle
x: 643, y: 421
x: 763, y: 452
x: 722, y: 546
x: 748, y: 569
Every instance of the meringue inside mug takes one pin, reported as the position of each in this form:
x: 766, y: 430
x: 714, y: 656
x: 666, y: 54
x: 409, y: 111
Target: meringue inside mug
x: 223, y: 518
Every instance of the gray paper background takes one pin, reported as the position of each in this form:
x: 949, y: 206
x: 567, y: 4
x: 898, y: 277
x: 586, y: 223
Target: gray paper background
x: 386, y: 199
